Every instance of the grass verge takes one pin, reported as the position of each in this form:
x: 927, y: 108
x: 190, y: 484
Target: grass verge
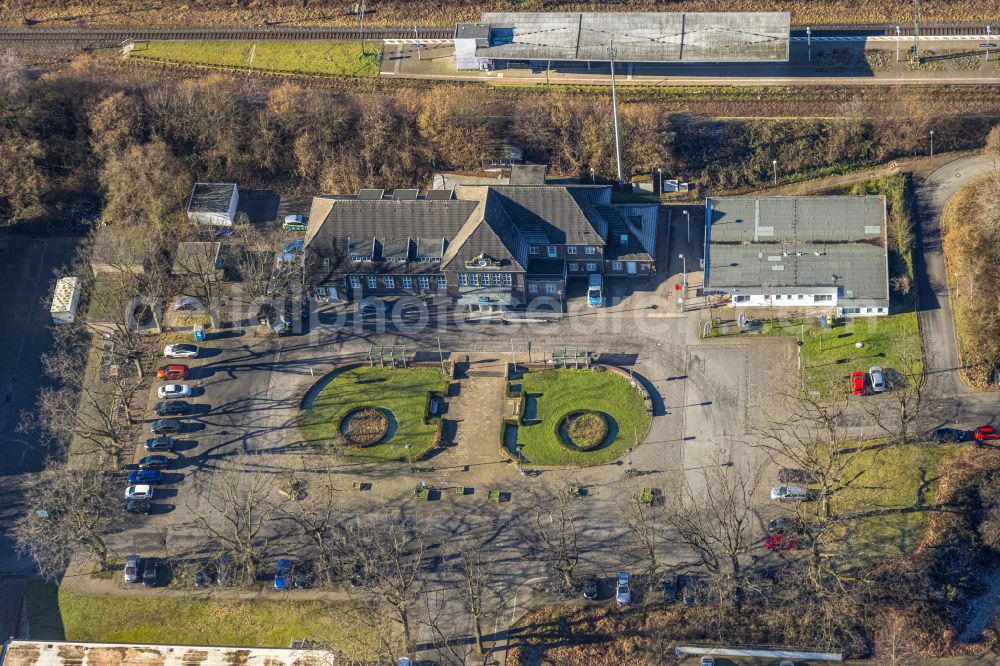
x: 315, y: 57
x: 552, y: 394
x: 177, y: 620
x: 401, y: 391
x: 829, y: 355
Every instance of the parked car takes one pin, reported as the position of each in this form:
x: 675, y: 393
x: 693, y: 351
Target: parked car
x: 858, y: 383
x: 302, y: 578
x: 708, y: 661
x: 671, y: 585
x: 282, y: 570
x: 986, y: 433
x: 139, y: 492
x: 171, y: 391
x: 877, y: 378
x: 358, y: 575
x: 145, y: 476
x: 781, y: 542
x: 153, y: 462
x: 947, y: 435
x: 150, y: 572
x: 138, y: 506
x: 785, y: 525
x: 202, y: 577
x: 165, y: 427
x: 132, y: 564
x: 181, y: 351
x: 294, y: 223
x: 797, y: 476
x: 790, y: 494
x: 623, y: 591
x: 160, y: 444
x: 590, y: 588
x: 295, y: 247
x: 172, y: 408
x: 168, y: 372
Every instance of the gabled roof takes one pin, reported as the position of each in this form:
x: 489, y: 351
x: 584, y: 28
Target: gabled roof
x: 211, y: 197
x: 490, y: 232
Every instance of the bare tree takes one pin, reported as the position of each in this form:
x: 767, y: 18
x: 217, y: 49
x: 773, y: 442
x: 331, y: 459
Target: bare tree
x: 906, y: 385
x: 646, y: 526
x: 554, y: 531
x: 318, y: 514
x: 68, y: 511
x: 198, y: 268
x: 242, y: 513
x: 477, y: 576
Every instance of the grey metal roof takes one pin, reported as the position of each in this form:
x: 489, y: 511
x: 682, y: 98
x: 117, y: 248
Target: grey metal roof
x: 527, y: 174
x: 405, y: 195
x: 440, y: 195
x: 211, y: 197
x: 783, y: 244
x: 370, y: 194
x: 552, y: 214
x: 395, y: 248
x: 472, y: 31
x: 638, y: 37
x: 430, y: 248
x: 361, y: 247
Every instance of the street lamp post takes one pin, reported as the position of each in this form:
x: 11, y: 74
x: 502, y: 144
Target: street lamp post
x: 409, y: 456
x: 932, y: 143
x: 897, y: 43
x: 684, y: 280
x: 774, y: 163
x: 809, y: 43
x: 688, y: 216
x: 520, y: 459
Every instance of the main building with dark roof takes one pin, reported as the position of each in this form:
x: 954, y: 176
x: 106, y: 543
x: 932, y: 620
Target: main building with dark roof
x: 490, y: 248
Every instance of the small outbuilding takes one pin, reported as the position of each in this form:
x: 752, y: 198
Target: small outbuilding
x: 65, y: 300
x: 213, y: 203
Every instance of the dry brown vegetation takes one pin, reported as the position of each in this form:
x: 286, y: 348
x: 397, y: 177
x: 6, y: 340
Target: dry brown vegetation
x: 407, y: 12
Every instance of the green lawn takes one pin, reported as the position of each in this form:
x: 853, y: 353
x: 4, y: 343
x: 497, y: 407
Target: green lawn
x: 179, y: 620
x: 829, y: 355
x: 555, y: 393
x: 401, y: 391
x: 317, y: 57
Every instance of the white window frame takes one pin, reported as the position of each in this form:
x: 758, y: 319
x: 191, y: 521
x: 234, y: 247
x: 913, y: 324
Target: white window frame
x: 473, y: 279
x: 407, y: 282
x: 591, y: 267
x: 355, y: 281
x: 506, y: 279
x: 484, y: 279
x: 617, y: 265
x: 372, y: 282
x: 552, y: 251
x: 389, y: 282
x: 442, y: 282
x: 462, y: 280
x: 550, y: 288
x: 574, y: 267
x: 532, y: 288
x: 497, y: 279
x: 571, y: 249
x: 591, y: 249
x: 533, y: 249
x: 424, y: 282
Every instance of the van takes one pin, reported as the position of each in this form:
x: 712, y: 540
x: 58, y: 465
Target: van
x: 294, y: 223
x: 595, y: 290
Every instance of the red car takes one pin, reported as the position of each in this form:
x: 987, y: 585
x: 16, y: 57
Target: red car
x: 172, y: 372
x: 858, y: 383
x: 986, y: 433
x: 781, y: 542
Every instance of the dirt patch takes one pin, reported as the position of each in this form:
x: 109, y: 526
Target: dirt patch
x: 584, y: 430
x: 364, y: 426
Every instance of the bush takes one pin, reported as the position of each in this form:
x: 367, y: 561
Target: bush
x: 585, y: 430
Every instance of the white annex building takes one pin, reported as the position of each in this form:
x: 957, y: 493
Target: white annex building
x: 810, y: 252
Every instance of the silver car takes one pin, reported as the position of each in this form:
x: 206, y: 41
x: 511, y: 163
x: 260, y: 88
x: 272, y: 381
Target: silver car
x: 877, y: 378
x: 623, y: 592
x: 132, y: 569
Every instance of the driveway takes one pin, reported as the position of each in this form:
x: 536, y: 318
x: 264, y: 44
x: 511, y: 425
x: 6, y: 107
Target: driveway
x: 954, y: 401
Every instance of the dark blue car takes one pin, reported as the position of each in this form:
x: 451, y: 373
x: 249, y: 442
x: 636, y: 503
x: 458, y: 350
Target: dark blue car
x: 281, y: 573
x: 145, y: 476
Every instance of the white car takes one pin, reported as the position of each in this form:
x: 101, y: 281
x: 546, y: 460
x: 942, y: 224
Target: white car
x: 623, y: 593
x: 708, y: 661
x: 878, y: 379
x: 790, y: 493
x: 181, y: 351
x: 139, y: 492
x: 170, y: 391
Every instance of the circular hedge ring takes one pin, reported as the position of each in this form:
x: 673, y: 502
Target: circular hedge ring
x: 363, y: 427
x: 584, y: 430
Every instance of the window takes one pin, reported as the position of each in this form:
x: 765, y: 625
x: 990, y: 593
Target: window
x: 821, y: 298
x: 800, y: 297
x: 552, y: 250
x: 591, y: 249
x: 591, y: 266
x: 506, y: 279
x: 372, y: 282
x: 497, y: 279
x: 573, y: 267
x: 571, y: 249
x: 425, y: 282
x: 532, y: 288
x: 390, y: 282
x: 550, y: 288
x: 740, y: 299
x: 326, y: 262
x: 355, y: 282
x: 407, y: 282
x: 533, y: 249
x: 462, y: 280
x: 474, y: 279
x: 442, y: 282
x: 616, y: 265
x: 484, y: 279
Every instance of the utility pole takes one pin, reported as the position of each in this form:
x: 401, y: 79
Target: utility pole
x: 897, y: 43
x: 614, y: 104
x: 361, y: 26
x: 809, y: 42
x: 441, y: 356
x: 774, y: 163
x: 932, y: 143
x: 916, y: 28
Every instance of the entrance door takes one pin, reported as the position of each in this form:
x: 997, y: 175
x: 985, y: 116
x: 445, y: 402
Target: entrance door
x: 630, y: 267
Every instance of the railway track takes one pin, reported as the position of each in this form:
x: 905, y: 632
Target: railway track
x: 115, y: 37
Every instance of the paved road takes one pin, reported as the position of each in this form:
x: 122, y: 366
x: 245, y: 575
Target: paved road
x: 954, y: 401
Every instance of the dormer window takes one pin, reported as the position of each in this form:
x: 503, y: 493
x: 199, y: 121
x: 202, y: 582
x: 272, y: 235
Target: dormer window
x: 361, y: 249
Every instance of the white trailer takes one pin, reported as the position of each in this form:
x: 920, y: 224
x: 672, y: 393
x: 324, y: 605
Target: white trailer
x: 65, y: 300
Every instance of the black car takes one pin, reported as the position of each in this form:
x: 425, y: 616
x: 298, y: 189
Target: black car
x: 302, y: 577
x: 358, y: 575
x: 138, y: 506
x: 172, y: 408
x: 590, y: 588
x: 165, y: 426
x: 153, y: 462
x: 160, y: 444
x: 947, y: 436
x: 150, y: 572
x: 796, y: 476
x: 785, y: 525
x: 671, y: 586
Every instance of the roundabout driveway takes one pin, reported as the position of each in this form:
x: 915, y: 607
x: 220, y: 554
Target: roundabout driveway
x: 954, y: 402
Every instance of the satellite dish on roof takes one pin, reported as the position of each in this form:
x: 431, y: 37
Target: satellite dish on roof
x: 483, y: 262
